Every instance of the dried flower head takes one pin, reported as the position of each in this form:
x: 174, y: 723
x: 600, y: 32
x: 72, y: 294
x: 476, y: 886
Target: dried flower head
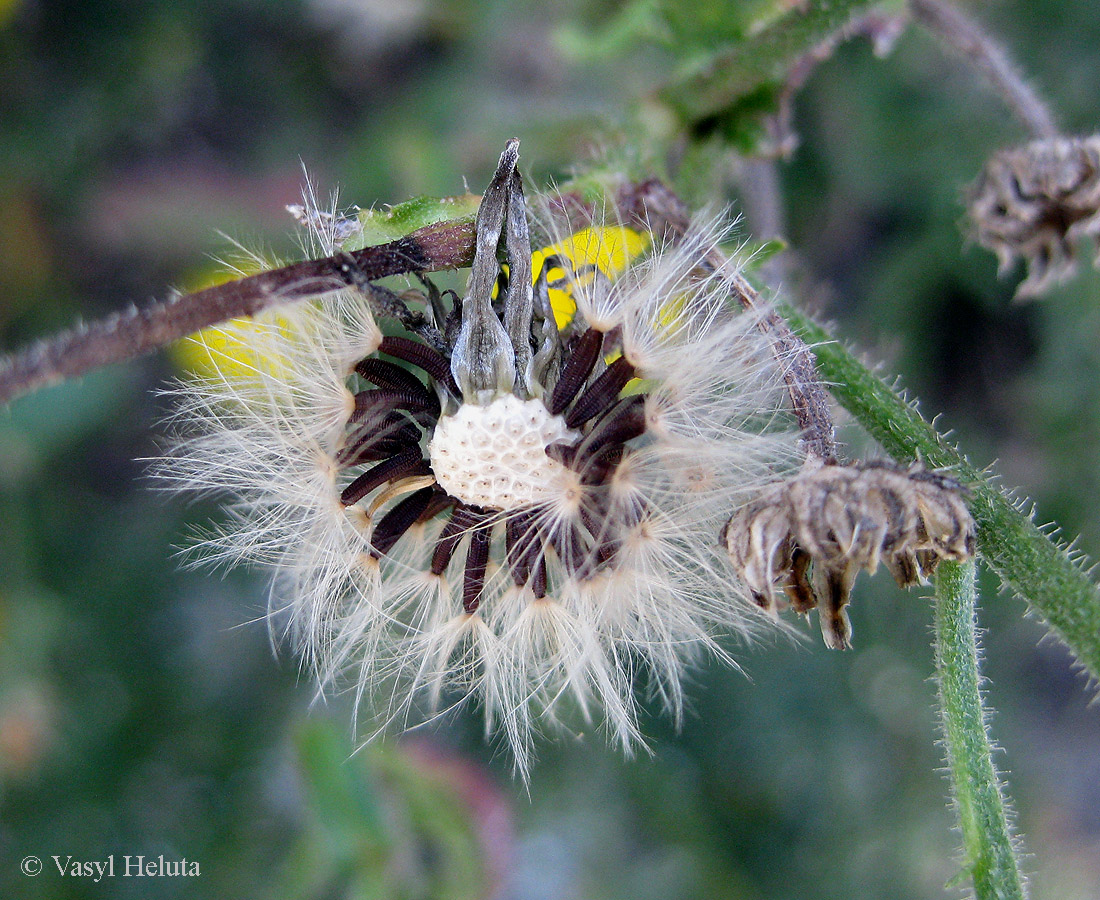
x: 808, y: 537
x: 518, y: 497
x: 1034, y: 202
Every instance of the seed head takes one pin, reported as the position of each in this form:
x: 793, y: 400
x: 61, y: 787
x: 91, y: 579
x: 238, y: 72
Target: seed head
x: 1035, y: 202
x: 495, y: 456
x: 517, y: 501
x: 809, y: 536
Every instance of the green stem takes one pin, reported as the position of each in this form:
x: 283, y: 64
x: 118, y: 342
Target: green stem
x: 735, y: 72
x: 1025, y: 557
x: 990, y: 860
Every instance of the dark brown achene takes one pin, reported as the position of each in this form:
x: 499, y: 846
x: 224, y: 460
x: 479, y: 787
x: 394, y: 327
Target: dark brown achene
x: 1034, y: 202
x: 805, y: 539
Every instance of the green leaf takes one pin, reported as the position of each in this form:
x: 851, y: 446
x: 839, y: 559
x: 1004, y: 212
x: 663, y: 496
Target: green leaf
x: 756, y: 253
x: 382, y: 225
x: 384, y: 822
x: 346, y: 801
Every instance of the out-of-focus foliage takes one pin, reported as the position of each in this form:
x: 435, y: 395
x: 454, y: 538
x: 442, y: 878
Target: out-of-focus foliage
x: 730, y: 58
x: 392, y: 823
x: 141, y: 711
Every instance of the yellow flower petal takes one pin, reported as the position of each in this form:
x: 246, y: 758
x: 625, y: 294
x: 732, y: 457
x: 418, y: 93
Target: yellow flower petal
x: 609, y: 249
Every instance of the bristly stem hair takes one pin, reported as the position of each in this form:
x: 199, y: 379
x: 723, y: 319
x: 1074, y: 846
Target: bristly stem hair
x: 990, y: 857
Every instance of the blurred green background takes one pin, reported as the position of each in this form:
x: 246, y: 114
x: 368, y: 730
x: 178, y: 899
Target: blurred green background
x: 142, y: 711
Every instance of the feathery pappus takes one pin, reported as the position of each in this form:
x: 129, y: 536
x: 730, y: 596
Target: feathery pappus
x: 516, y: 498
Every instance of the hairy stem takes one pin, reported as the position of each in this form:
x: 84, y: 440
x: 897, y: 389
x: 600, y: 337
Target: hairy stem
x: 1027, y: 559
x: 989, y: 856
x: 962, y: 33
x: 139, y: 331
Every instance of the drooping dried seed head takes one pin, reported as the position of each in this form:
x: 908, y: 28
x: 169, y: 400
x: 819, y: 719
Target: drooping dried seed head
x: 807, y: 538
x: 1034, y: 202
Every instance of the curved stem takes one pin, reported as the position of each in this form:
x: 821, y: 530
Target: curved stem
x: 957, y: 30
x: 989, y: 855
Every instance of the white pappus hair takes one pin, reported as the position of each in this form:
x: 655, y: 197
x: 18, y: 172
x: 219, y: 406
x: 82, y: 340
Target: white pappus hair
x: 539, y: 546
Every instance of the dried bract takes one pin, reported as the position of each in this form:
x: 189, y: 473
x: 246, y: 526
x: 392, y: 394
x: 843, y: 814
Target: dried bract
x: 1034, y: 202
x: 808, y: 537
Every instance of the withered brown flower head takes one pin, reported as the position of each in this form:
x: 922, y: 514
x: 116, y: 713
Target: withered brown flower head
x: 802, y: 541
x: 1035, y: 202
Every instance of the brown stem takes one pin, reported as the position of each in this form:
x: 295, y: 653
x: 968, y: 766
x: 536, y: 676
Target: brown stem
x: 136, y: 332
x: 653, y: 205
x: 958, y: 30
x: 448, y: 245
